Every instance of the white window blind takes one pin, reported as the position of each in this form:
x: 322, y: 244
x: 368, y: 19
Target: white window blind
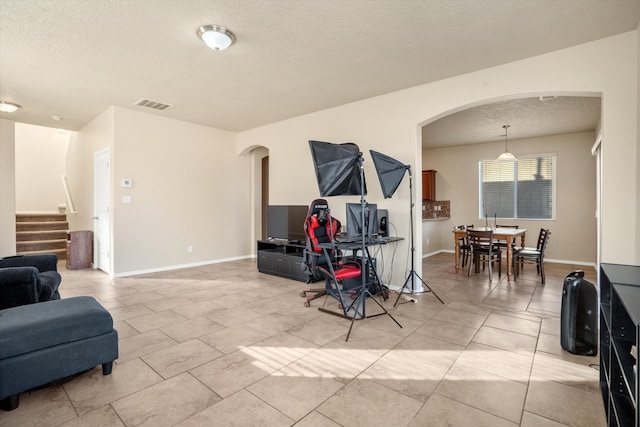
x: 520, y: 189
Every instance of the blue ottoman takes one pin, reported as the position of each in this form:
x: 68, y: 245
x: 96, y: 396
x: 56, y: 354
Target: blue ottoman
x: 47, y: 341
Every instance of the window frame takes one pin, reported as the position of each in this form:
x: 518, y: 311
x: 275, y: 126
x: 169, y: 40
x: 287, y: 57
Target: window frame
x: 554, y: 161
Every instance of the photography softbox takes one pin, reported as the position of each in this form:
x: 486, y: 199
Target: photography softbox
x: 338, y: 169
x: 390, y: 172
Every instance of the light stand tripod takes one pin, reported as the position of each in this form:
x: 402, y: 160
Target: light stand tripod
x: 340, y: 172
x: 413, y: 273
x: 364, y: 292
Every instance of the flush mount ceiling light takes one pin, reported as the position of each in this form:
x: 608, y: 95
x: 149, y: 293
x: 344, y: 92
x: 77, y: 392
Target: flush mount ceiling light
x: 506, y: 156
x: 9, y: 107
x: 217, y: 38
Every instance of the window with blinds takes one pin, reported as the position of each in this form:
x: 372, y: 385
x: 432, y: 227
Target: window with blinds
x: 520, y: 189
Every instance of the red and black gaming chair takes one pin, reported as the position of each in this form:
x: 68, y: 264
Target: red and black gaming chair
x: 320, y: 227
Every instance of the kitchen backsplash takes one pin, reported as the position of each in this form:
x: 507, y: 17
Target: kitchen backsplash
x: 436, y: 209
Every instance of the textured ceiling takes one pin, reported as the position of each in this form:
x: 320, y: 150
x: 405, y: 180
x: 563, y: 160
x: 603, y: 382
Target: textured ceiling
x: 526, y: 117
x: 75, y: 58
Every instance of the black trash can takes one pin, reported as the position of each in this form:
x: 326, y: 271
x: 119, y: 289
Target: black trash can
x: 579, y: 315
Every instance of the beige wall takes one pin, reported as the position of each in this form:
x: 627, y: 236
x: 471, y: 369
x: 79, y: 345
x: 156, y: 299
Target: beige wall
x: 573, y: 230
x: 189, y: 189
x: 42, y: 150
x: 390, y: 124
x: 292, y: 176
x: 94, y: 136
x: 7, y: 188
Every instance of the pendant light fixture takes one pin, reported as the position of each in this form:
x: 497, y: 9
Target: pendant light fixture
x: 506, y: 156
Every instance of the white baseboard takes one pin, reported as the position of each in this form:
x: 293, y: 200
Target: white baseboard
x: 436, y: 253
x: 447, y: 251
x: 553, y: 260
x: 180, y: 266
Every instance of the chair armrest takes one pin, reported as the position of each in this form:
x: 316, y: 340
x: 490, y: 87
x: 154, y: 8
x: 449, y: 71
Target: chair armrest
x: 19, y: 286
x: 43, y: 262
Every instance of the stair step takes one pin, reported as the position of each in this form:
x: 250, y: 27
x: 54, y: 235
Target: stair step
x: 62, y: 253
x: 26, y: 236
x: 42, y: 233
x: 41, y: 226
x: 42, y: 245
x: 42, y: 217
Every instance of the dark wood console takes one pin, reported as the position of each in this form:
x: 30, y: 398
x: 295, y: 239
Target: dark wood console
x: 281, y: 258
x: 79, y: 249
x: 619, y: 341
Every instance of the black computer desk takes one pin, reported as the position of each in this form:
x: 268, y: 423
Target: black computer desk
x: 352, y: 303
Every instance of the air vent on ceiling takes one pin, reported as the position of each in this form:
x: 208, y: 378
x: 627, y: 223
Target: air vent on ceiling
x: 154, y: 105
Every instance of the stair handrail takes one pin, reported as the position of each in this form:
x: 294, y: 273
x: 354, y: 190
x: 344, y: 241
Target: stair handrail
x: 65, y: 184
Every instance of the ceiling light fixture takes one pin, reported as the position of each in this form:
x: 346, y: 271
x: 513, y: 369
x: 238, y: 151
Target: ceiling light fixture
x: 9, y: 107
x: 217, y: 38
x: 506, y: 156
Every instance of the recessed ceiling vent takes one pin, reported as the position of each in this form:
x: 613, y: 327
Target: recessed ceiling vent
x: 154, y: 105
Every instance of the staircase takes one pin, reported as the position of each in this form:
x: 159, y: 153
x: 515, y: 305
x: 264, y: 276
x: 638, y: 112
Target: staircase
x: 42, y: 233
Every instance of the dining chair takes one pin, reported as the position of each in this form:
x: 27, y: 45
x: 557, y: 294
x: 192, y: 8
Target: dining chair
x: 463, y: 247
x: 483, y: 251
x: 532, y: 255
x: 503, y: 243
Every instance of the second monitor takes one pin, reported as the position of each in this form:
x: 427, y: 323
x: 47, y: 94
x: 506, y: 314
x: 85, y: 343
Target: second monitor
x: 354, y: 220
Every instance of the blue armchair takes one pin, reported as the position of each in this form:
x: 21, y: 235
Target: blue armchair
x: 28, y: 279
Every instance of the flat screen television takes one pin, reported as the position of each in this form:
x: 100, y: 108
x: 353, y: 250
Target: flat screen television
x: 286, y: 222
x: 354, y: 219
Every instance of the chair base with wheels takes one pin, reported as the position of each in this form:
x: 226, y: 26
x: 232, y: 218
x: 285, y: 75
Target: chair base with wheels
x: 315, y: 292
x: 313, y: 276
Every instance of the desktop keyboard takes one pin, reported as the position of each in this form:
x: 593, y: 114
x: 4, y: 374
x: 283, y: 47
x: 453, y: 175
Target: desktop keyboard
x: 356, y: 239
x: 345, y: 239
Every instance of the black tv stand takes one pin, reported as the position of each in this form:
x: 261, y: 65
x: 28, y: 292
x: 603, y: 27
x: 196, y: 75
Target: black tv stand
x: 281, y: 258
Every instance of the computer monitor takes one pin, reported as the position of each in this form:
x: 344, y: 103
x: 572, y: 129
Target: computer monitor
x: 354, y: 220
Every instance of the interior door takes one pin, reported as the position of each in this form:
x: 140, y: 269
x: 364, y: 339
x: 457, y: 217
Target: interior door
x: 102, y: 214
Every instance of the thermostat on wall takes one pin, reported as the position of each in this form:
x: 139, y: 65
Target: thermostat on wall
x: 126, y: 182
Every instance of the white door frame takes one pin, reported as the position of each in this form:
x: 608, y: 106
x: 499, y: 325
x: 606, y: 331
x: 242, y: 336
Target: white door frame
x: 102, y: 258
x: 596, y: 151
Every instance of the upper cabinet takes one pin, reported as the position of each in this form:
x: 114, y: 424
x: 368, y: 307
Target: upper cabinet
x: 429, y: 185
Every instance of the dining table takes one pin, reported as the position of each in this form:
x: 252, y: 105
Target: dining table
x: 509, y: 235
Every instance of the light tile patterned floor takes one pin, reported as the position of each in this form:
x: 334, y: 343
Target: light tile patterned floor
x: 225, y: 345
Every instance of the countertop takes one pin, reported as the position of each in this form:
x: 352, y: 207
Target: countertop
x: 444, y: 218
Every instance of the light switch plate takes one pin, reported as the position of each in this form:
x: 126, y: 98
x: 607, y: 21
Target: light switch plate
x: 126, y: 182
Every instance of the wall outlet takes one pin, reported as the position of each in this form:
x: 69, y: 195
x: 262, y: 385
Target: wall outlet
x: 427, y: 241
x: 189, y: 248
